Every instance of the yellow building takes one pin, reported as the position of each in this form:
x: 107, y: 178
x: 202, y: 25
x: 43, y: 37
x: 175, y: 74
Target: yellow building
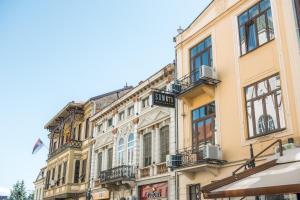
x: 68, y: 164
x: 238, y: 89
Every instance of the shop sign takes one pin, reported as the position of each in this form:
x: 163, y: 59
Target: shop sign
x: 101, y: 195
x: 157, y: 191
x: 163, y: 99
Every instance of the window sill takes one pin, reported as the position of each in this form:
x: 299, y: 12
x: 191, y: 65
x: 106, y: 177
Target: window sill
x: 248, y: 52
x: 266, y: 134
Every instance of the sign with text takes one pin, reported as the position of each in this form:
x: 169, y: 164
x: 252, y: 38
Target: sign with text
x: 163, y: 99
x: 157, y: 191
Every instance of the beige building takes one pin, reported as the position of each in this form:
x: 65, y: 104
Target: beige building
x: 68, y: 164
x: 39, y: 185
x: 132, y: 138
x: 238, y: 90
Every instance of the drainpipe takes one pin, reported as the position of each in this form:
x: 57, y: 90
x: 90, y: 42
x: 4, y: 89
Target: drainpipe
x: 176, y: 125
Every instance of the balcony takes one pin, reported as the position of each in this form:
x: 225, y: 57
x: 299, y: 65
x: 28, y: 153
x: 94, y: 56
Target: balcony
x: 192, y: 158
x: 204, y: 76
x: 117, y: 174
x: 73, y: 144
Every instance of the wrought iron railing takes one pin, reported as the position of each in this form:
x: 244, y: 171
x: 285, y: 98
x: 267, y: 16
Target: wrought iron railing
x: 194, y: 78
x: 76, y: 144
x: 120, y: 173
x: 195, y: 156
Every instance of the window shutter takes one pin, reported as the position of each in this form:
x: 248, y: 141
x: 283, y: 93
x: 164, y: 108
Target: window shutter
x: 64, y: 172
x: 164, y: 143
x: 83, y: 170
x: 147, y: 149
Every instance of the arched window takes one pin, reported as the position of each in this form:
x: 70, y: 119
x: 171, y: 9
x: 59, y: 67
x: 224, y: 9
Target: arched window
x: 121, y: 148
x: 130, y: 148
x: 262, y: 125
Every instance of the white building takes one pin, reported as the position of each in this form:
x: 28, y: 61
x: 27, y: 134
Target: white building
x: 132, y: 139
x: 39, y: 185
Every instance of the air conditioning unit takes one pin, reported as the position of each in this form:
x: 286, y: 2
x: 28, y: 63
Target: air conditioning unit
x: 285, y: 147
x: 212, y: 152
x: 174, y: 160
x: 207, y: 72
x: 176, y: 88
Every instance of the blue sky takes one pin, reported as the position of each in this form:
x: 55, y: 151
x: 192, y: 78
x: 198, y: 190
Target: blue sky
x: 55, y: 51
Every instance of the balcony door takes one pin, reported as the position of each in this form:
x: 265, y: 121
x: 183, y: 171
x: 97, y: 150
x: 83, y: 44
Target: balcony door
x: 201, y: 54
x: 203, y: 126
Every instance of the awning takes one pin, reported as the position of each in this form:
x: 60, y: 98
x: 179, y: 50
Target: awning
x: 278, y: 176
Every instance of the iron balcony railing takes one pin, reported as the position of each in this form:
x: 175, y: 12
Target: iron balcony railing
x: 205, y: 154
x: 193, y: 79
x: 120, y: 173
x: 75, y: 144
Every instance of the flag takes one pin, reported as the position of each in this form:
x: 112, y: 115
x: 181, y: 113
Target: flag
x: 37, y: 146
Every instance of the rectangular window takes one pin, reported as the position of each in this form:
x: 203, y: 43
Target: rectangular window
x: 99, y: 128
x: 264, y: 107
x: 121, y: 115
x: 58, y: 175
x: 79, y: 132
x: 147, y: 149
x: 203, y: 125
x: 47, y: 179
x: 145, y: 102
x: 110, y: 158
x: 76, y: 171
x: 131, y: 111
x: 64, y: 172
x: 164, y: 143
x: 53, y: 173
x: 297, y: 8
x: 200, y: 55
x: 194, y: 192
x: 110, y: 122
x: 255, y: 26
x: 99, y: 163
x: 83, y: 170
x: 74, y: 133
x: 87, y: 127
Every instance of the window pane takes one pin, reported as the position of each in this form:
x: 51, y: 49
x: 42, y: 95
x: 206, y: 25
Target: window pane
x: 280, y: 110
x: 250, y: 118
x: 253, y: 11
x: 274, y: 82
x: 242, y: 40
x: 211, y: 108
x: 262, y: 88
x: 196, y: 114
x: 202, y: 112
x: 271, y: 113
x: 193, y: 51
x: 251, y: 37
x: 250, y: 92
x: 261, y: 29
x: 209, y: 129
x: 200, y: 131
x: 208, y: 42
x: 243, y: 18
x: 205, y: 60
x: 264, y: 4
x: 259, y: 117
x: 270, y: 24
x: 200, y: 47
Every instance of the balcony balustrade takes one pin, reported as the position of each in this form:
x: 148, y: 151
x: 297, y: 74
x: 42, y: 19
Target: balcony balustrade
x: 205, y: 154
x: 205, y: 75
x: 75, y: 144
x: 145, y: 172
x: 162, y: 168
x: 120, y: 173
